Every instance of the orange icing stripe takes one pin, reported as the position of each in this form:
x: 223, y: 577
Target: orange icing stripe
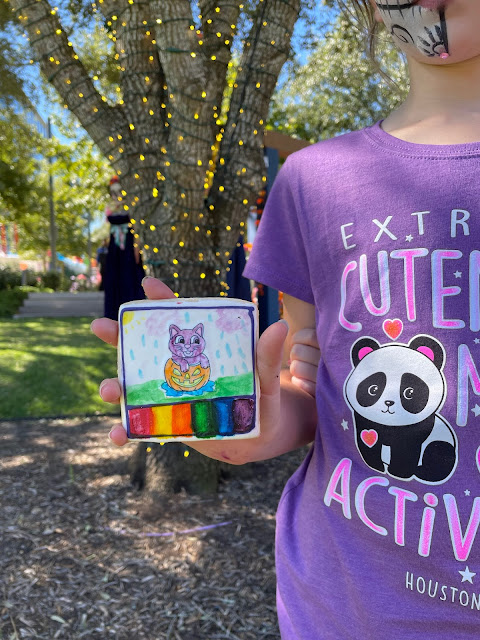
x: 182, y: 420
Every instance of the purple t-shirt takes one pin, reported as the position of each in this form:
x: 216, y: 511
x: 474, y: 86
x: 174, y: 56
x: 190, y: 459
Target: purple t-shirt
x: 377, y: 531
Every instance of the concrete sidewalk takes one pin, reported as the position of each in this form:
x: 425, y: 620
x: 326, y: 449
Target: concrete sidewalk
x: 62, y: 305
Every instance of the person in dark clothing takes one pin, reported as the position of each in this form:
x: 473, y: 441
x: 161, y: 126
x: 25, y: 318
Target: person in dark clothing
x: 123, y: 269
x: 102, y: 252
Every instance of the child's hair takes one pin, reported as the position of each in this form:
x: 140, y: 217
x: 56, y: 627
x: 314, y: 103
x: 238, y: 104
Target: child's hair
x: 363, y: 11
x: 363, y: 15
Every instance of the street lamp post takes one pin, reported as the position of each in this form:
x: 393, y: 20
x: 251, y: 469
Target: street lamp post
x: 53, y: 226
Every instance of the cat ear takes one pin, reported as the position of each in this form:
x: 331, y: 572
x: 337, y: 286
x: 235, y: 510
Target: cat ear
x: 198, y: 329
x: 173, y: 330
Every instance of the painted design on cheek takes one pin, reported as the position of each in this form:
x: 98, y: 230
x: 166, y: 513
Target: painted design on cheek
x: 411, y: 24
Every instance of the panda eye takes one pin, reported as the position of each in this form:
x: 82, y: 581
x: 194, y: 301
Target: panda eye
x: 408, y: 393
x: 373, y: 389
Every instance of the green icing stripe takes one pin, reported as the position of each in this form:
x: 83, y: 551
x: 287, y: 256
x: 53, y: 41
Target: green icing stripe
x: 203, y: 420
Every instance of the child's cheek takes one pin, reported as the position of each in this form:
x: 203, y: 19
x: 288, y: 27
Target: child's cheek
x: 424, y: 29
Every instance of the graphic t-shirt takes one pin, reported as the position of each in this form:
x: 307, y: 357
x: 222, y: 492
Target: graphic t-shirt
x: 377, y: 531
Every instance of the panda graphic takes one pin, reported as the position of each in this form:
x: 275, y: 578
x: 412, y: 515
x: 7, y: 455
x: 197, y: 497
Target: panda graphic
x: 395, y: 392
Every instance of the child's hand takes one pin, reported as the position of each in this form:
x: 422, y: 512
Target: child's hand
x: 304, y: 359
x: 269, y: 360
x: 107, y: 330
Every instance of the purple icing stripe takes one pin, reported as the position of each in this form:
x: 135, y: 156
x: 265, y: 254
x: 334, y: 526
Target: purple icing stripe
x: 153, y: 534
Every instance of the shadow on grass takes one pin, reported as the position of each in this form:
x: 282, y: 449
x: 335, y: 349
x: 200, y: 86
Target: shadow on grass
x: 51, y: 368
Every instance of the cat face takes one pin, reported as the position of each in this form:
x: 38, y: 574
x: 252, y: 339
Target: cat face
x: 186, y: 343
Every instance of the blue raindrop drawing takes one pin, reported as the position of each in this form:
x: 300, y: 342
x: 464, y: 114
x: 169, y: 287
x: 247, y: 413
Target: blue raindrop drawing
x: 228, y: 350
x: 132, y: 355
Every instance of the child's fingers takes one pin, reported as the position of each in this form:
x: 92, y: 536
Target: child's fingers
x: 306, y: 336
x: 305, y: 385
x: 304, y: 370
x: 269, y: 357
x: 305, y: 353
x: 118, y: 435
x: 110, y: 390
x: 156, y: 289
x: 106, y: 330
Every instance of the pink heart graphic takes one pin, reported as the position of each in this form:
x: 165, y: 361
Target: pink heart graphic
x: 369, y: 437
x: 393, y: 328
x: 477, y: 458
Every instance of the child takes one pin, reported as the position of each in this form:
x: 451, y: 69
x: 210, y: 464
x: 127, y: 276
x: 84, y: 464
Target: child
x: 373, y: 237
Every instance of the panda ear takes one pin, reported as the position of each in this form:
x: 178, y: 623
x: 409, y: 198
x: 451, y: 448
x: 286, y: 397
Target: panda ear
x: 361, y: 348
x: 430, y: 348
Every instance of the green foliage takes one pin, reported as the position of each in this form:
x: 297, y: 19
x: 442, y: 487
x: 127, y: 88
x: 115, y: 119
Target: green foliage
x: 80, y: 176
x: 13, y: 60
x: 10, y: 301
x: 9, y: 278
x: 52, y: 280
x: 338, y: 89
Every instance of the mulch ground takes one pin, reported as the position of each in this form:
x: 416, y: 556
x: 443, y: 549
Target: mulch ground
x: 85, y: 555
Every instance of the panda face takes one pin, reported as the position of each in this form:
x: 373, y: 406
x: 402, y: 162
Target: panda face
x: 395, y: 385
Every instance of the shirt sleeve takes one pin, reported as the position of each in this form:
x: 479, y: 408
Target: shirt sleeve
x: 279, y: 258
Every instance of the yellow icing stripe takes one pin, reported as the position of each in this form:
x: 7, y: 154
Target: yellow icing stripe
x: 162, y: 420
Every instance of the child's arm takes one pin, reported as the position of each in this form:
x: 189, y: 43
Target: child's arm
x: 288, y: 414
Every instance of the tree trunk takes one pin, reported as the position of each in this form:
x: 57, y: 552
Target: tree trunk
x: 189, y: 169
x: 173, y: 467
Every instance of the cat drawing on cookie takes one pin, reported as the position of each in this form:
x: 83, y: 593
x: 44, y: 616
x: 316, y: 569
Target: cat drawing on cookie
x: 187, y: 346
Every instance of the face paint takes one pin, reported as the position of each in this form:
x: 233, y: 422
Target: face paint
x: 423, y: 27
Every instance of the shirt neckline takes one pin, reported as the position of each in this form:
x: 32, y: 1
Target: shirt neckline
x: 381, y: 138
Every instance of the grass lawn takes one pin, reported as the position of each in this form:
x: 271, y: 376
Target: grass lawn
x: 52, y: 367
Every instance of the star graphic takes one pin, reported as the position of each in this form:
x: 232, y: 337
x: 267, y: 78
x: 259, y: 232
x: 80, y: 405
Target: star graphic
x: 344, y: 425
x: 458, y: 274
x: 409, y: 238
x: 467, y: 492
x: 467, y: 575
x: 477, y: 340
x: 476, y: 410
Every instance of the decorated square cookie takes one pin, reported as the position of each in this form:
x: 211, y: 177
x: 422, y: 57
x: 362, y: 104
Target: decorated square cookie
x: 187, y: 369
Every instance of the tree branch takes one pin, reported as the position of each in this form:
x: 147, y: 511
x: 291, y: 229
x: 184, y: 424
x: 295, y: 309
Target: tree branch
x: 266, y: 50
x: 63, y: 69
